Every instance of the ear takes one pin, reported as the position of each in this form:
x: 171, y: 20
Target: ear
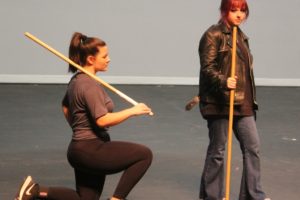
x: 90, y: 60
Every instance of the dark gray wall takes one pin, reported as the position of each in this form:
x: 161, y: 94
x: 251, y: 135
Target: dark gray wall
x: 149, y: 40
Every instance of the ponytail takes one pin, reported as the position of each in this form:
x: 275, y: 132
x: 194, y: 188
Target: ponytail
x: 81, y: 47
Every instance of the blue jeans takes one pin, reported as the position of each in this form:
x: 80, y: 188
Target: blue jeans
x: 212, y: 180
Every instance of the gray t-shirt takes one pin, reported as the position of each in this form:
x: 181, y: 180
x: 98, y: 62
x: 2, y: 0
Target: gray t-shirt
x: 87, y: 101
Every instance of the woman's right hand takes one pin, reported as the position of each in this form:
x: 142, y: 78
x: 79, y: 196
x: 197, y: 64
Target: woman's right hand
x: 114, y: 118
x: 140, y: 109
x: 231, y: 83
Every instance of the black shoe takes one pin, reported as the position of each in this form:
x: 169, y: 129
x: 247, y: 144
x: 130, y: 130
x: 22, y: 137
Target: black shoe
x: 28, y: 190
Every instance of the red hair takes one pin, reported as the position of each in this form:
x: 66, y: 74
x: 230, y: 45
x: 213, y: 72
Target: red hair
x: 227, y: 5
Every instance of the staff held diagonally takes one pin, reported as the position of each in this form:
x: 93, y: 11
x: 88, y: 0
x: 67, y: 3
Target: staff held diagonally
x: 60, y: 55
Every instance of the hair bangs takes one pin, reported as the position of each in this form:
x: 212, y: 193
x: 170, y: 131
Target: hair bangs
x: 239, y: 4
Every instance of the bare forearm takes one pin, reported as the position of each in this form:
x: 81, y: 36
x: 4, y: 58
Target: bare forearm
x: 112, y: 119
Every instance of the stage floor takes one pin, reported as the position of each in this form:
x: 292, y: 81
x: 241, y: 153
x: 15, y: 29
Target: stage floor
x: 35, y: 137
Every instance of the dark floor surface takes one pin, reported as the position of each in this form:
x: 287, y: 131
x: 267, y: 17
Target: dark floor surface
x: 35, y: 136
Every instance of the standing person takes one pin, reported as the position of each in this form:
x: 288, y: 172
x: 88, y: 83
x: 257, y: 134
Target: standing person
x: 214, y: 88
x: 88, y: 110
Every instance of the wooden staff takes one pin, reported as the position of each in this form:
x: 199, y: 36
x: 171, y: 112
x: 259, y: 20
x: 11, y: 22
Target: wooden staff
x: 127, y: 98
x: 230, y: 122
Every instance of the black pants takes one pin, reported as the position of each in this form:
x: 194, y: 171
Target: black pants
x: 93, y: 159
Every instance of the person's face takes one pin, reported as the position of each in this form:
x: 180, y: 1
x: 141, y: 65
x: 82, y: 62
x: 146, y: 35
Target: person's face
x: 236, y: 16
x: 101, y: 59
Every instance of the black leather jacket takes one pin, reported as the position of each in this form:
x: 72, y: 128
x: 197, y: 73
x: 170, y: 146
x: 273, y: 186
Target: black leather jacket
x: 215, y: 59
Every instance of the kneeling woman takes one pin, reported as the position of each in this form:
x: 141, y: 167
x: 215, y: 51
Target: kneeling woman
x: 88, y: 109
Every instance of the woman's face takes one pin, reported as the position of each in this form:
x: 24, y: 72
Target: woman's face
x: 101, y: 59
x: 236, y: 16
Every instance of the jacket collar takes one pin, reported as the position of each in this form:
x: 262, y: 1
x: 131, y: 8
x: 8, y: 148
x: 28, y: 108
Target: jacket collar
x: 227, y: 30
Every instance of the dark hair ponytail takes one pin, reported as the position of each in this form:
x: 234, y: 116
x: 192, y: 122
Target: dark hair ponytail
x: 81, y: 47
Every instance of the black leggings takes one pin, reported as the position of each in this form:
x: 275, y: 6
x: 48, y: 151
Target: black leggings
x: 93, y: 159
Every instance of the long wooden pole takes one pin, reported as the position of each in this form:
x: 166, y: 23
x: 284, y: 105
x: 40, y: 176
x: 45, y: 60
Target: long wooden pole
x: 230, y: 122
x: 121, y: 94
